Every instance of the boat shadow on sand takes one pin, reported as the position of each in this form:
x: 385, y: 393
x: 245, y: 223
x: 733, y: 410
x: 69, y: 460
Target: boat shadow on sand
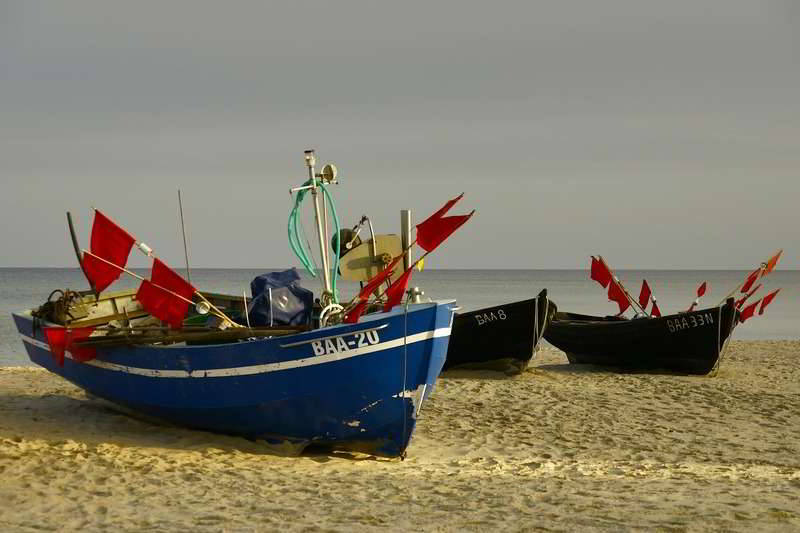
x: 572, y: 368
x: 62, y: 420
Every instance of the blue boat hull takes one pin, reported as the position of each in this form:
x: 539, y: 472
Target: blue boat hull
x: 355, y: 387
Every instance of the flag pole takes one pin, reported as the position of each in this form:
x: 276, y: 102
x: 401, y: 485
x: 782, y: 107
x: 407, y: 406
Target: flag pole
x: 219, y: 313
x: 183, y: 230
x: 357, y: 298
x: 77, y: 248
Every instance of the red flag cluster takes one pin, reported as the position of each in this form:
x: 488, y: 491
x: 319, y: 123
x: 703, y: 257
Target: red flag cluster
x: 166, y: 295
x: 750, y: 310
x: 372, y: 285
x: 63, y: 340
x: 645, y: 297
x: 748, y: 289
x: 740, y: 302
x: 600, y: 272
x: 111, y: 244
x: 431, y: 232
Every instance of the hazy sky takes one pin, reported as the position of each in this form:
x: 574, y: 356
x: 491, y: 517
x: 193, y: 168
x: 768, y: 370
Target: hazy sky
x: 661, y: 134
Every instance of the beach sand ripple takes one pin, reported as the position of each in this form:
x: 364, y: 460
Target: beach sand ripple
x: 560, y: 447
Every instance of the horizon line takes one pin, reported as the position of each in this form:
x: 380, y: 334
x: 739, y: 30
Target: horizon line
x: 429, y: 269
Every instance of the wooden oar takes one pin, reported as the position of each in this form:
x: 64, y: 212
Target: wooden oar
x: 125, y: 338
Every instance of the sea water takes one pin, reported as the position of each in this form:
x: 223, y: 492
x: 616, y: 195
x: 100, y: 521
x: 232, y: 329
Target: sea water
x: 571, y: 290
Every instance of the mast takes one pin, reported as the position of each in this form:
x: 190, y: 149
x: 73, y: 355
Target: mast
x: 183, y: 230
x: 326, y: 275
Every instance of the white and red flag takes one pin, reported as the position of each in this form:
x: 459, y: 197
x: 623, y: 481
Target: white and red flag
x: 110, y: 243
x: 655, y: 311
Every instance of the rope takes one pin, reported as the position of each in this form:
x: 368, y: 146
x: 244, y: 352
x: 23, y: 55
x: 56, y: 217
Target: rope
x: 296, y: 243
x: 405, y: 371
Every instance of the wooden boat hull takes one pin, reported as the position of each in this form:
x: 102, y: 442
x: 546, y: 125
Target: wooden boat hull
x: 352, y: 387
x: 688, y: 343
x: 503, y: 337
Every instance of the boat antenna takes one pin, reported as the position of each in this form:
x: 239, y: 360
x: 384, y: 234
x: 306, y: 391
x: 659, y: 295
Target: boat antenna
x: 183, y: 230
x: 78, y: 253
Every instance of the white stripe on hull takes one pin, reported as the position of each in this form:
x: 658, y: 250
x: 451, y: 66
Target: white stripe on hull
x: 254, y: 369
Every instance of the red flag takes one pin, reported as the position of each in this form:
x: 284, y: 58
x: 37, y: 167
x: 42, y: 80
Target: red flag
x: 767, y: 299
x: 644, y: 294
x: 616, y: 294
x: 751, y: 279
x: 740, y: 302
x: 600, y: 272
x: 701, y: 290
x: 111, y: 243
x: 62, y: 339
x: 434, y: 232
x: 748, y: 311
x: 446, y: 207
x: 378, y: 279
x: 353, y: 316
x: 395, y: 292
x: 57, y: 340
x: 655, y: 311
x: 80, y: 353
x: 436, y: 228
x: 160, y: 303
x: 773, y: 262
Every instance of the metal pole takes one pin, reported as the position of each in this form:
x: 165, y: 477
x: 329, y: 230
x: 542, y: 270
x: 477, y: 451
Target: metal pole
x: 183, y: 230
x: 405, y: 236
x: 78, y: 253
x: 310, y: 162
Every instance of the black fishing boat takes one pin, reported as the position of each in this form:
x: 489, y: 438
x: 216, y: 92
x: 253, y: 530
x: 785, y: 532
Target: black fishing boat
x: 502, y: 337
x: 690, y: 342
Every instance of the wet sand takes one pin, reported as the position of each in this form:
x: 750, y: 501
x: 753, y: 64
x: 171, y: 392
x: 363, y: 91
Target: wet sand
x: 560, y: 447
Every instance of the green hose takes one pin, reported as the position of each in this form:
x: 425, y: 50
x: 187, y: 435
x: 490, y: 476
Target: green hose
x: 297, y: 245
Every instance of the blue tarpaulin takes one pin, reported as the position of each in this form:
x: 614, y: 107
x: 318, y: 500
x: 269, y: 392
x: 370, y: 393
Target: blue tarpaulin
x: 279, y: 300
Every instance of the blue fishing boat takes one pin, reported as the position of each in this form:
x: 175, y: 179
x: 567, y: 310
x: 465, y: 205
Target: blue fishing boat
x: 354, y: 383
x: 354, y: 387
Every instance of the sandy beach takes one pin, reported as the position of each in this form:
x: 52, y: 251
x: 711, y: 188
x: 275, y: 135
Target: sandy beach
x: 559, y: 447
